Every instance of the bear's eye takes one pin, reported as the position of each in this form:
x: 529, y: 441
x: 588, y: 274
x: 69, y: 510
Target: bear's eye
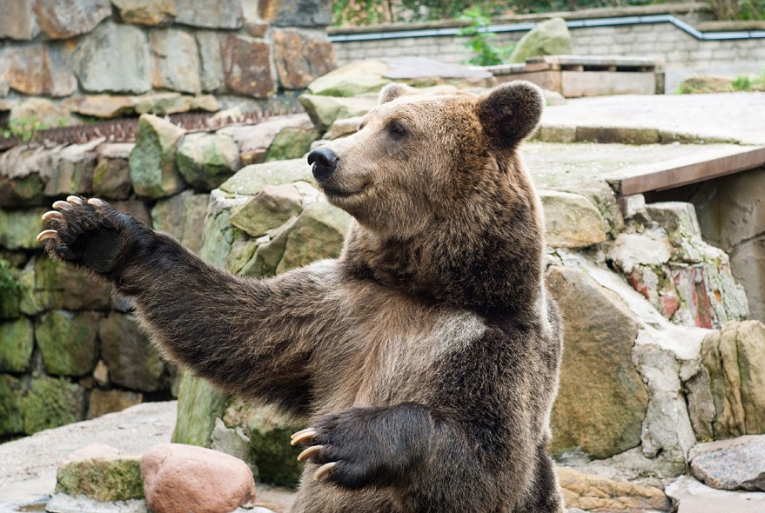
x: 397, y: 128
x: 361, y: 126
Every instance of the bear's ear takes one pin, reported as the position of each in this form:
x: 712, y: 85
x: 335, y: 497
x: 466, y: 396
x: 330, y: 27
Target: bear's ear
x: 393, y: 91
x: 510, y: 112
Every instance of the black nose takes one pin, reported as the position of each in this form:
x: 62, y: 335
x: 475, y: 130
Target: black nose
x: 324, y: 162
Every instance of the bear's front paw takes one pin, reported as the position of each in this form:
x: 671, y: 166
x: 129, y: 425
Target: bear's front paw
x: 366, y: 446
x: 85, y: 233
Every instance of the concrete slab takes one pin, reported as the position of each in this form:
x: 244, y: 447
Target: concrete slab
x: 694, y: 497
x: 737, y: 116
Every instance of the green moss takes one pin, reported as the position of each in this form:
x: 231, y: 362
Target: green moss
x: 68, y: 342
x: 105, y: 479
x: 291, y: 143
x: 271, y: 451
x: 52, y: 403
x: 16, y: 345
x: 199, y: 404
x: 11, y: 409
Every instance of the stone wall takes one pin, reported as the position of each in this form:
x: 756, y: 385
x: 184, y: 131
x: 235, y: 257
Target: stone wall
x: 683, y: 54
x: 82, y: 53
x: 68, y: 349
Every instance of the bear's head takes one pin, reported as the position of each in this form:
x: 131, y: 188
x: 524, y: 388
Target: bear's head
x: 437, y: 177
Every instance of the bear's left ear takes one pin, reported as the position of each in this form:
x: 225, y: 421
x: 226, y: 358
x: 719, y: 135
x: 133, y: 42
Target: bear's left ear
x: 393, y: 91
x: 510, y: 112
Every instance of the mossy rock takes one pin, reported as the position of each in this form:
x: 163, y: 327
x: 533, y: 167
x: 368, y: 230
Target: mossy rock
x: 291, y: 143
x: 17, y: 339
x: 108, y: 479
x: 52, y: 403
x: 11, y: 408
x: 68, y: 342
x: 271, y: 451
x: 199, y: 404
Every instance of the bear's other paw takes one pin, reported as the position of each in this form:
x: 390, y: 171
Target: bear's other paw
x: 88, y: 233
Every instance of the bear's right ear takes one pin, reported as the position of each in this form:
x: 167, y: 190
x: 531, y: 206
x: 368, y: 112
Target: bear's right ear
x: 393, y: 91
x: 510, y: 112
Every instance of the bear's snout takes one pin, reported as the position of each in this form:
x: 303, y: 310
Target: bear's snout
x: 324, y: 162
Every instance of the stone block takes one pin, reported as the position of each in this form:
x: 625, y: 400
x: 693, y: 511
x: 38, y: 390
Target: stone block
x: 176, y: 61
x: 571, y: 220
x: 111, y: 176
x: 68, y: 343
x: 324, y: 110
x: 285, y: 13
x: 291, y: 143
x: 114, y: 58
x: 550, y: 37
x: 51, y: 403
x: 207, y: 160
x: 11, y: 408
x: 222, y: 14
x: 273, y: 207
x: 101, y: 106
x: 737, y: 464
x: 251, y: 180
x: 161, y: 104
x: 64, y: 20
x: 152, y: 161
x: 102, y: 402
x: 276, y: 459
x: 39, y: 69
x: 182, y: 216
x: 247, y: 66
x: 40, y: 113
x: 48, y: 285
x: 107, y: 478
x: 146, y: 12
x: 18, y: 341
x: 199, y: 404
x: 19, y: 228
x: 301, y: 56
x: 132, y: 360
x: 211, y: 60
x: 599, y: 411
x: 595, y: 493
x: 748, y: 268
x: 18, y: 21
x: 73, y: 170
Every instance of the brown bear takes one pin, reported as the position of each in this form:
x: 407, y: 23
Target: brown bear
x: 425, y: 359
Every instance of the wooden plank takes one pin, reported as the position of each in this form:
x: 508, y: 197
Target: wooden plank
x: 707, y: 165
x: 575, y: 84
x: 545, y: 79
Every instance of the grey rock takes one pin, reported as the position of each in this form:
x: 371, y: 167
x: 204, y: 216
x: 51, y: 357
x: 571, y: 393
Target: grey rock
x: 163, y: 103
x: 736, y: 464
x: 343, y: 127
x: 38, y: 69
x: 18, y: 21
x: 222, y: 14
x: 301, y: 13
x: 691, y: 496
x: 152, y: 161
x: 674, y: 216
x: 182, y: 216
x: 550, y: 37
x: 176, y: 61
x: 571, y: 220
x: 68, y: 343
x: 114, y: 58
x: 231, y: 441
x: 632, y: 249
x: 73, y: 169
x: 211, y: 60
x: 132, y: 360
x: 63, y: 20
x: 206, y: 161
x: 146, y: 12
x: 111, y: 176
x: 301, y: 56
x: 274, y: 206
x: 41, y: 111
x: 251, y: 180
x: 247, y: 66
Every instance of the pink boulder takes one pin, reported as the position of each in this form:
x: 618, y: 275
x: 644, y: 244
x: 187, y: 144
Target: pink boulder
x: 181, y: 478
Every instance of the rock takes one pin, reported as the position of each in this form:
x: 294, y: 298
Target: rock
x: 178, y: 479
x: 90, y: 451
x: 251, y: 180
x: 199, y: 404
x: 219, y: 234
x: 246, y: 66
x: 182, y: 216
x: 594, y: 493
x: 109, y: 401
x: 731, y: 378
x: 67, y: 342
x: 352, y: 79
x: 11, y: 406
x: 132, y: 359
x: 18, y: 21
x: 231, y: 441
x: 176, y: 61
x: 694, y: 497
x: 301, y: 56
x: 21, y: 171
x: 318, y: 233
x: 258, y: 138
x: 207, y: 160
x: 111, y: 177
x: 206, y: 103
x: 152, y: 161
x: 324, y: 110
x: 73, y: 170
x: 630, y: 250
x: 39, y: 70
x: 747, y: 262
x: 600, y: 411
x: 19, y: 228
x: 40, y: 113
x: 163, y: 103
x: 571, y: 221
x: 101, y: 106
x: 291, y: 143
x: 101, y: 374
x: 146, y: 12
x: 342, y: 127
x: 284, y: 13
x: 736, y: 464
x: 270, y: 447
x: 107, y: 478
x: 18, y: 343
x: 550, y: 37
x: 224, y: 14
x: 63, y: 20
x: 62, y: 503
x: 114, y: 58
x: 702, y: 84
x: 675, y: 216
x: 54, y: 285
x: 274, y: 206
x: 267, y: 255
x: 52, y: 403
x: 211, y: 60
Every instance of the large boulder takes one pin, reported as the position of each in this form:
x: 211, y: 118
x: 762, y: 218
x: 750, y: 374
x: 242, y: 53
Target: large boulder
x: 571, y: 221
x: 737, y: 464
x: 199, y: 404
x: 207, y: 160
x: 271, y: 208
x: 301, y: 56
x: 602, y: 400
x: 152, y: 161
x: 291, y: 143
x: 595, y: 493
x: 550, y: 37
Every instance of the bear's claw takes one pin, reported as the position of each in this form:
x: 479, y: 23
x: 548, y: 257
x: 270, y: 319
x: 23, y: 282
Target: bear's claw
x: 303, y: 435
x: 324, y: 469
x: 46, y: 234
x: 314, y: 449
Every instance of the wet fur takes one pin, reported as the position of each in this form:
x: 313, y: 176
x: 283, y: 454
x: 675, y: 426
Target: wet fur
x: 426, y: 357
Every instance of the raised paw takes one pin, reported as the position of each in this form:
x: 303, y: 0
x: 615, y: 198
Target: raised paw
x: 85, y: 232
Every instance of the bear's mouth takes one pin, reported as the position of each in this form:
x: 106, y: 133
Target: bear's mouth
x: 339, y: 192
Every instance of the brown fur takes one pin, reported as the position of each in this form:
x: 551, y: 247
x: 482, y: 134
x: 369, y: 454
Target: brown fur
x: 426, y: 357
